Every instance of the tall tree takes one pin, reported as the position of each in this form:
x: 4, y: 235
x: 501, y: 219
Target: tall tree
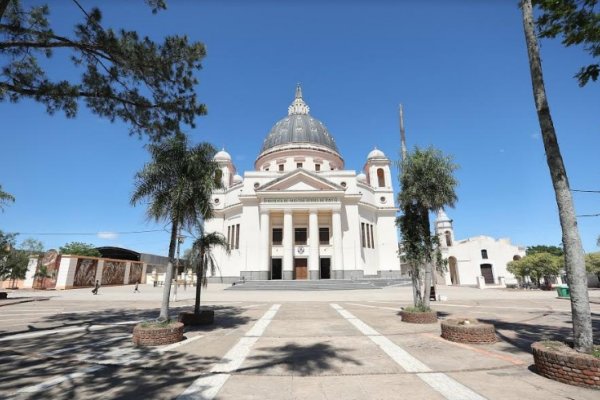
x: 427, y: 184
x: 5, y: 198
x: 577, y: 22
x: 540, y: 248
x: 178, y: 183
x: 80, y: 249
x: 202, y: 259
x: 574, y: 256
x: 32, y: 246
x: 150, y: 86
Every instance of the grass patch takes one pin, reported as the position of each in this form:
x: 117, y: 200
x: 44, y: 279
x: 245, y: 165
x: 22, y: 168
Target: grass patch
x: 417, y: 309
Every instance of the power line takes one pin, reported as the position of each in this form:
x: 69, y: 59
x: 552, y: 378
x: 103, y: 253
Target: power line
x: 589, y: 215
x: 585, y: 191
x: 88, y: 233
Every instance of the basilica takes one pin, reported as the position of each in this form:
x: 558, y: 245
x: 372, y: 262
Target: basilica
x: 300, y: 214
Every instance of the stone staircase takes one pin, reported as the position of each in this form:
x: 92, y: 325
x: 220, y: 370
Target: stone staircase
x: 314, y: 285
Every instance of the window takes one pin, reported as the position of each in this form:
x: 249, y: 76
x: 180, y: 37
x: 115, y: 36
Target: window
x: 219, y: 177
x: 229, y: 237
x: 233, y: 236
x: 237, y: 236
x: 281, y: 167
x: 368, y: 235
x: 277, y: 236
x: 380, y: 177
x: 299, y: 165
x: 300, y: 235
x: 323, y: 235
x: 317, y: 167
x: 484, y: 254
x: 362, y: 237
x: 372, y: 238
x: 448, y: 238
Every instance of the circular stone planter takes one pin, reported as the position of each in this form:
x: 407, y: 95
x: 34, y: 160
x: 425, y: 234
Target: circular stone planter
x: 206, y: 317
x: 466, y: 330
x: 420, y: 317
x: 559, y: 362
x: 151, y: 334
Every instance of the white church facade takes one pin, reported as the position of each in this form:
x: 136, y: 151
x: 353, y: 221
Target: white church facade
x: 300, y: 214
x: 479, y: 258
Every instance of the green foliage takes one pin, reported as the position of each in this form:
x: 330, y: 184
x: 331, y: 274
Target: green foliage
x: 417, y: 309
x: 592, y: 263
x: 536, y: 266
x: 200, y: 256
x: 32, y: 246
x: 16, y: 263
x: 178, y: 182
x: 576, y: 22
x: 554, y: 250
x: 5, y: 197
x: 148, y: 85
x: 80, y: 249
x: 7, y: 244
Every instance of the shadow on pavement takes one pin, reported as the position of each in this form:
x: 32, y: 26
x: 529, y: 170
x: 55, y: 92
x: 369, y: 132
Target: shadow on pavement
x: 304, y: 360
x: 522, y: 335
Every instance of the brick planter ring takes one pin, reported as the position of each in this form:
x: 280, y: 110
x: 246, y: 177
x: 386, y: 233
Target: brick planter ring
x: 427, y: 317
x: 456, y: 330
x: 157, y: 335
x: 559, y: 362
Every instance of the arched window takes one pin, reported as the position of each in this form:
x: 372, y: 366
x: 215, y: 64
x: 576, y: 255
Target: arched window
x: 380, y: 177
x: 448, y: 236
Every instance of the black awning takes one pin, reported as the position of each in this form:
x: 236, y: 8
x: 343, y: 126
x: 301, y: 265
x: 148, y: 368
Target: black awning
x: 119, y: 253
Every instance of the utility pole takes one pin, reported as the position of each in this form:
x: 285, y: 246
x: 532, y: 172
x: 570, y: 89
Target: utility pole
x: 402, y: 134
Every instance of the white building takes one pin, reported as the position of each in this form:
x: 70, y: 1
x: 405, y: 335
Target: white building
x: 479, y: 256
x: 300, y: 214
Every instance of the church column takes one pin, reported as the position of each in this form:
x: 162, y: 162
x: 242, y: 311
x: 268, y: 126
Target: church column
x: 338, y: 263
x: 288, y: 245
x: 313, y: 245
x: 265, y: 242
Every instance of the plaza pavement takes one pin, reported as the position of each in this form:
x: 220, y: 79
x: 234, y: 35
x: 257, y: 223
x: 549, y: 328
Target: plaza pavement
x: 279, y: 345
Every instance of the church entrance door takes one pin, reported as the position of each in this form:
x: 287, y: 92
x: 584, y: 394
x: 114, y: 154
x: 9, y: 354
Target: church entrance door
x: 325, y: 270
x: 300, y: 268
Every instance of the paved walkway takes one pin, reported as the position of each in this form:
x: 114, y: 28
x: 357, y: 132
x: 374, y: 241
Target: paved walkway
x: 331, y: 346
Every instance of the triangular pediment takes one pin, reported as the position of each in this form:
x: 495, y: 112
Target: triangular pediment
x: 300, y: 181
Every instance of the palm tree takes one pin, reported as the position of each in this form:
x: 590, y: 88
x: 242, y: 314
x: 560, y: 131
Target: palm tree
x: 427, y: 185
x: 42, y: 274
x: 574, y: 255
x: 202, y: 259
x: 5, y: 198
x: 178, y: 183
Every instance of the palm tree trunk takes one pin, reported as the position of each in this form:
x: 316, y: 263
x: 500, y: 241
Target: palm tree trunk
x: 199, y: 274
x: 428, y: 264
x: 574, y: 256
x: 164, y: 307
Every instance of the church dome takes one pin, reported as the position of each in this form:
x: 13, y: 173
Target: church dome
x: 299, y: 127
x: 376, y: 153
x: 361, y: 178
x: 222, y: 156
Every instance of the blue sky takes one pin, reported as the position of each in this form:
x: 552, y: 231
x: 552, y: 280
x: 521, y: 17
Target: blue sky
x: 459, y: 67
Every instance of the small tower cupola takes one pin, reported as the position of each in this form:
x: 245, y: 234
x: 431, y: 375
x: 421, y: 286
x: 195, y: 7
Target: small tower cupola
x: 444, y: 229
x: 226, y: 168
x: 377, y: 170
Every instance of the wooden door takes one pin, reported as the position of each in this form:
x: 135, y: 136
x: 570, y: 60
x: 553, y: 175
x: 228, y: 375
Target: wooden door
x: 300, y: 268
x: 487, y: 273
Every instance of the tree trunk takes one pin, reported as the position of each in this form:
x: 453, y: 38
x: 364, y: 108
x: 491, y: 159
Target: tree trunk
x: 428, y: 263
x: 199, y: 274
x: 164, y: 307
x: 574, y: 256
x: 416, y: 282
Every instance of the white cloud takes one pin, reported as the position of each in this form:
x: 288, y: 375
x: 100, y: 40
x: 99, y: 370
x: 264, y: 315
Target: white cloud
x: 108, y: 235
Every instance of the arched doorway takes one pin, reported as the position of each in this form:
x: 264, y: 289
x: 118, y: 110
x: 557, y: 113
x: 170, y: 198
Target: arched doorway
x: 453, y: 271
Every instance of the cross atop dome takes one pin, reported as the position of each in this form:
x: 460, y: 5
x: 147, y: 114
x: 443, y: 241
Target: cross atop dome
x: 298, y: 106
